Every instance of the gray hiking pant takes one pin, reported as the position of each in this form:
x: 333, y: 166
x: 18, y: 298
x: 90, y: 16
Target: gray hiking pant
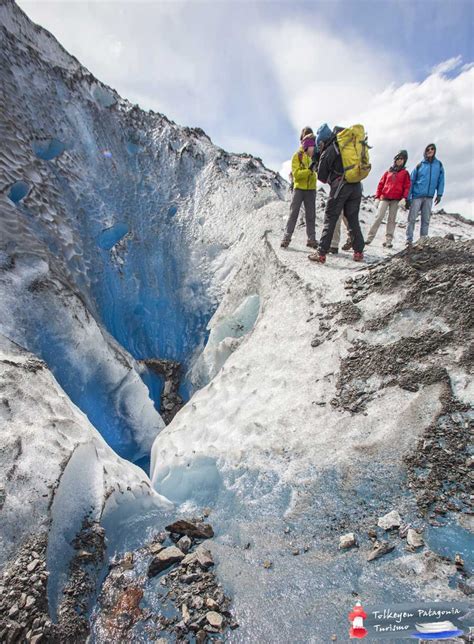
x: 423, y: 204
x: 308, y: 197
x: 336, y: 238
x: 392, y: 206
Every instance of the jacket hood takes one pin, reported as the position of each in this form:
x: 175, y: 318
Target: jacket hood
x: 429, y: 146
x: 403, y: 154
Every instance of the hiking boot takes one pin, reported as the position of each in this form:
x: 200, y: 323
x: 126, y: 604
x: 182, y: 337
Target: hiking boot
x: 317, y: 257
x: 312, y: 243
x: 334, y: 250
x: 348, y: 244
x: 409, y: 244
x: 387, y: 244
x: 358, y: 257
x: 285, y: 243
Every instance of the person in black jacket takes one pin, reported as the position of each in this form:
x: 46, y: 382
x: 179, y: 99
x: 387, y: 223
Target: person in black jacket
x: 343, y: 196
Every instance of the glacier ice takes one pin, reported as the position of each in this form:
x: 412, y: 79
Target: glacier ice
x: 136, y: 238
x: 226, y: 334
x: 41, y: 431
x: 79, y: 496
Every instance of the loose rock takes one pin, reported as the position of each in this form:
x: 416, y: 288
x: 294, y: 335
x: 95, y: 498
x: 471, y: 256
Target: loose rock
x: 390, y: 521
x: 380, y: 549
x: 165, y: 559
x: 347, y: 541
x: 215, y: 619
x: 184, y: 544
x: 414, y: 538
x: 191, y: 529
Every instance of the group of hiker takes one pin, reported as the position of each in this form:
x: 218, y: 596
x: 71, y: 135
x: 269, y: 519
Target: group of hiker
x: 340, y: 158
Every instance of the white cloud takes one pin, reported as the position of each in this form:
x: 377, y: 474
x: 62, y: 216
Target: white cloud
x: 447, y: 65
x: 249, y: 78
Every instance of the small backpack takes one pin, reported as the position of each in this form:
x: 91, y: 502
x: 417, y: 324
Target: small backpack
x: 354, y: 151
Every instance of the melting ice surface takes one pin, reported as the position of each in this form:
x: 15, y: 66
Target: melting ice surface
x: 302, y: 598
x: 18, y: 191
x: 48, y: 149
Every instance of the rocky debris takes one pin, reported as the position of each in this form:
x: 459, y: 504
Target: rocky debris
x: 403, y: 531
x: 390, y: 521
x: 434, y: 279
x: 24, y: 615
x: 24, y: 611
x: 347, y: 541
x: 381, y: 548
x: 459, y: 562
x: 184, y: 544
x: 267, y: 564
x: 171, y: 401
x: 165, y: 559
x: 466, y: 588
x: 201, y: 556
x: 192, y: 603
x: 194, y: 528
x: 73, y: 618
x: 414, y: 538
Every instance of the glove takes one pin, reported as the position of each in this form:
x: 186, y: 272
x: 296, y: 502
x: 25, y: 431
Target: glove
x: 402, y: 203
x: 437, y: 200
x: 407, y: 204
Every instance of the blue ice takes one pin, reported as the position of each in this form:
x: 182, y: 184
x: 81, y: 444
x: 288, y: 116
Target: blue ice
x: 18, y: 191
x: 48, y: 149
x: 111, y: 236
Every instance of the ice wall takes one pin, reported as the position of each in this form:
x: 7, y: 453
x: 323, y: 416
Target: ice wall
x: 118, y: 227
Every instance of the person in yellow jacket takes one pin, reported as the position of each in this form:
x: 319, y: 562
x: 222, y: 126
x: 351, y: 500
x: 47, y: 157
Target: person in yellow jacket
x: 304, y: 190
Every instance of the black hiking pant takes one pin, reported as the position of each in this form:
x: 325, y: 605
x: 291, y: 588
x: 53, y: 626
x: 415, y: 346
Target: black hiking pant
x: 345, y: 198
x: 308, y: 197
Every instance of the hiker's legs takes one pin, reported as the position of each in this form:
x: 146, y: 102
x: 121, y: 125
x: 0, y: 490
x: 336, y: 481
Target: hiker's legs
x: 391, y: 221
x: 383, y: 205
x: 294, y: 210
x: 351, y: 212
x: 336, y: 238
x: 412, y: 215
x: 425, y: 216
x: 309, y: 198
x: 334, y: 205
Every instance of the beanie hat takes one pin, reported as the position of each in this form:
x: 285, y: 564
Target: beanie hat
x: 308, y: 142
x: 323, y: 133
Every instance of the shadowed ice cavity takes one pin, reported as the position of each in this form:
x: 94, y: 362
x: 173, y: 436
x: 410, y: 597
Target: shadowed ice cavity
x: 48, y: 149
x: 18, y: 191
x: 124, y: 210
x: 111, y: 236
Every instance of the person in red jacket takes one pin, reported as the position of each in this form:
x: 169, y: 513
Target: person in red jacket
x: 392, y: 191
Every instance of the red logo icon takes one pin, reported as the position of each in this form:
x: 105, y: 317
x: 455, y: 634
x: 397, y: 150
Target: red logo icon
x: 356, y: 618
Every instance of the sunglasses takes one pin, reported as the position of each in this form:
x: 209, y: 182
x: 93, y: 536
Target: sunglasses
x: 430, y: 148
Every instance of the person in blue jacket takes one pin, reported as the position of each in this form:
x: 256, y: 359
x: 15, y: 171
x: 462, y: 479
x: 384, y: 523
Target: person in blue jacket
x: 426, y: 179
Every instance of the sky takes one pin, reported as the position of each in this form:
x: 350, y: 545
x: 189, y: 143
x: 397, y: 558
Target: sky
x: 252, y: 74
